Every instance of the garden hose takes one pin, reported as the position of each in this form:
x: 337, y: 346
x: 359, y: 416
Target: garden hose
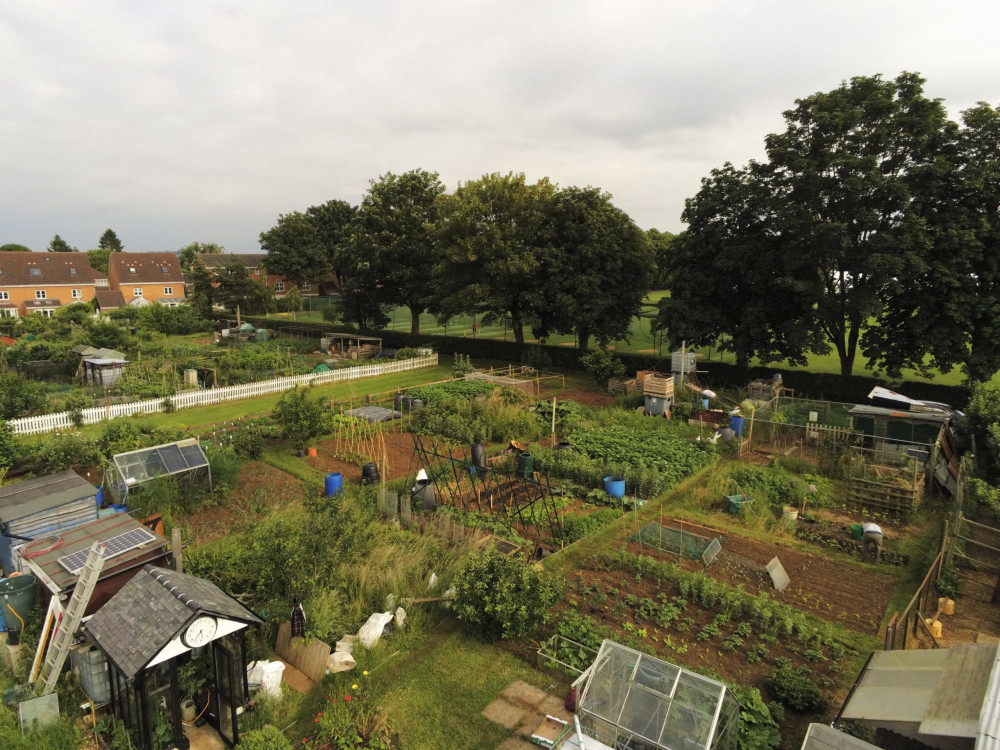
x: 196, y: 718
x: 15, y: 614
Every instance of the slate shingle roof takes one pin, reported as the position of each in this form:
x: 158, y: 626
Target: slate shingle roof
x: 151, y: 609
x: 51, y: 268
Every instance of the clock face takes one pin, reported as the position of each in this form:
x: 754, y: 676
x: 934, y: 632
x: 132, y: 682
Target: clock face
x: 200, y: 632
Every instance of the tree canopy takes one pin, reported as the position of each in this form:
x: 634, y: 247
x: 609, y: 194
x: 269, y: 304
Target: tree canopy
x: 109, y: 241
x: 393, y: 243
x: 188, y: 254
x: 295, y: 249
x: 12, y: 247
x: 797, y: 254
x: 332, y: 221
x: 59, y: 245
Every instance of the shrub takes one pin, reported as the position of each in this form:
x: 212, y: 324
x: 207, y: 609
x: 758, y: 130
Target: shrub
x: 795, y: 688
x: 503, y: 597
x: 759, y: 730
x: 120, y: 435
x: 74, y: 404
x: 10, y: 447
x: 267, y: 738
x: 602, y: 365
x: 20, y: 396
x: 66, y: 450
x: 948, y: 583
x: 462, y: 365
x: 248, y: 441
x: 301, y: 418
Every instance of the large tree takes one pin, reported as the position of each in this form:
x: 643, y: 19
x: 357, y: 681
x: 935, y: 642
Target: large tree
x: 12, y: 247
x: 188, y: 254
x: 59, y: 245
x: 394, y: 243
x: 99, y: 259
x: 835, y: 220
x: 295, y: 249
x: 946, y: 311
x: 201, y: 292
x: 333, y: 221
x: 660, y: 243
x: 490, y: 232
x: 235, y: 288
x: 109, y: 241
x: 596, y: 267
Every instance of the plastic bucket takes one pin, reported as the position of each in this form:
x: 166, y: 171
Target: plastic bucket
x: 737, y: 423
x: 615, y: 486
x: 857, y: 532
x: 334, y: 483
x: 563, y: 446
x: 525, y: 465
x: 17, y: 594
x: 369, y: 473
x: 424, y: 492
x: 312, y: 452
x: 417, y: 404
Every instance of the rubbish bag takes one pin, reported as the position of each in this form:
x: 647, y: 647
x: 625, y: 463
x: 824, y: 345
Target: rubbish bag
x: 371, y: 631
x: 400, y: 616
x: 271, y: 677
x: 340, y: 661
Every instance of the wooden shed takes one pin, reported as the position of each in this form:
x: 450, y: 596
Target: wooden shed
x: 56, y: 560
x: 41, y: 507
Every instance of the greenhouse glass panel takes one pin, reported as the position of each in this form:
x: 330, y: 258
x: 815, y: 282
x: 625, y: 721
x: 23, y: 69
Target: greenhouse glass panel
x: 184, y: 458
x: 194, y: 456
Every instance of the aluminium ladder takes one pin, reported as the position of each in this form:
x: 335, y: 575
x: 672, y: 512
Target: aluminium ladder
x: 62, y: 641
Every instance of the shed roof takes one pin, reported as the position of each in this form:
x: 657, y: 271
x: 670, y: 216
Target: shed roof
x: 34, y: 269
x: 41, y: 494
x: 109, y: 299
x: 823, y: 737
x: 80, y: 538
x: 151, y: 609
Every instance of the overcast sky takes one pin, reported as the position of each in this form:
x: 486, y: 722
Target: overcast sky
x: 175, y: 122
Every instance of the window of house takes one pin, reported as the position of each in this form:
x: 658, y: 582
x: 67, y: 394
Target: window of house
x: 168, y: 291
x: 39, y: 294
x: 72, y: 272
x: 77, y: 293
x: 280, y: 286
x: 137, y: 291
x: 6, y: 312
x: 4, y: 295
x: 164, y: 269
x: 131, y: 270
x: 35, y: 271
x: 306, y: 286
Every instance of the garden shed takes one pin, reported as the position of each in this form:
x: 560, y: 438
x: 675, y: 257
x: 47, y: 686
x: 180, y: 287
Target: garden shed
x: 895, y: 419
x: 631, y: 699
x: 163, y: 633
x: 56, y: 560
x: 184, y: 459
x: 40, y: 507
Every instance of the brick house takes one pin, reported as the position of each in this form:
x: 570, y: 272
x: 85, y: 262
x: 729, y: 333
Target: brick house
x: 254, y: 263
x: 143, y: 278
x: 41, y: 283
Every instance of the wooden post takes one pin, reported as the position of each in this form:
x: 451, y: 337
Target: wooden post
x: 175, y: 543
x: 553, y: 421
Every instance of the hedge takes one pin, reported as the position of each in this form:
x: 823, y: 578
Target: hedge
x: 828, y: 386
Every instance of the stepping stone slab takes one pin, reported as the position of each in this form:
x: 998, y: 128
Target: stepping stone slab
x: 520, y: 693
x: 503, y: 713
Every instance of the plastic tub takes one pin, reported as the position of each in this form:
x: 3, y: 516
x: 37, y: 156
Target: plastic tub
x: 334, y: 483
x: 525, y: 465
x: 615, y: 486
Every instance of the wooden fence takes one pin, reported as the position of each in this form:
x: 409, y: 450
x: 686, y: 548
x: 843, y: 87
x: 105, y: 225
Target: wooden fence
x: 924, y: 602
x: 188, y: 399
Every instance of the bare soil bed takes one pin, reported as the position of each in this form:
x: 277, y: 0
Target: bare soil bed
x: 261, y: 488
x: 399, y: 453
x: 587, y: 398
x: 825, y: 588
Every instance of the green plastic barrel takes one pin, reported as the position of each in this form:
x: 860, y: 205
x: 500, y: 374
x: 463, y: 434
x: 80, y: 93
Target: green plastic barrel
x: 857, y: 532
x: 525, y: 465
x: 17, y: 594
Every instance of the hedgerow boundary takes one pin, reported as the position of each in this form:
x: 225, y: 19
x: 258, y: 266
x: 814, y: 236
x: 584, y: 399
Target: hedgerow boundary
x: 852, y: 389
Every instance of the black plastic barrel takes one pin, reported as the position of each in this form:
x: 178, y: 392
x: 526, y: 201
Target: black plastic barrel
x: 369, y: 474
x: 479, y: 456
x: 397, y: 403
x: 407, y: 403
x: 525, y: 465
x: 563, y: 446
x: 417, y: 405
x: 425, y: 494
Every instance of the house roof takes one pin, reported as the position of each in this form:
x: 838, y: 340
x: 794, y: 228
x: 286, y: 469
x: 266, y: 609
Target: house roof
x: 80, y: 539
x: 41, y: 304
x: 7, y: 340
x: 39, y: 269
x: 109, y: 299
x: 225, y: 260
x: 149, y: 268
x: 151, y: 609
x: 40, y: 494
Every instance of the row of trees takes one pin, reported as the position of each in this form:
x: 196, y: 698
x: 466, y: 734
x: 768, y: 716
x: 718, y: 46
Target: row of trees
x: 525, y: 255
x: 109, y: 241
x: 873, y: 225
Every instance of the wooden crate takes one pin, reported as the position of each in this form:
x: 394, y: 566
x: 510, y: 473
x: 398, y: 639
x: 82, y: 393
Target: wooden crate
x: 658, y: 386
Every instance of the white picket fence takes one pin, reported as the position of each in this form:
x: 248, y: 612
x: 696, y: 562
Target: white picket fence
x: 187, y: 399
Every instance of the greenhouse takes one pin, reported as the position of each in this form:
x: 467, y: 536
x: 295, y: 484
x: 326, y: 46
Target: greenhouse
x: 633, y: 701
x: 183, y: 459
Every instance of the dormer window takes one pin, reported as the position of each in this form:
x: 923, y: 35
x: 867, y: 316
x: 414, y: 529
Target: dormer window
x: 35, y: 271
x: 164, y: 269
x: 72, y: 272
x: 132, y: 269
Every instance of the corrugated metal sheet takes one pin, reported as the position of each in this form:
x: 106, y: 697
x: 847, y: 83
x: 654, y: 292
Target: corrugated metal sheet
x: 988, y: 737
x: 36, y: 495
x: 822, y: 737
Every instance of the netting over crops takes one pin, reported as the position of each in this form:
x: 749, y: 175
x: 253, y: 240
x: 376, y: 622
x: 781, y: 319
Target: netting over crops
x: 675, y: 541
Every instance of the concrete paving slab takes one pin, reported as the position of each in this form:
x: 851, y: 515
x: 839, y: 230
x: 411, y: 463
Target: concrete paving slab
x: 503, y: 713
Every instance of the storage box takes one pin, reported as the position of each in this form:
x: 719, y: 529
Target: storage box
x: 92, y: 670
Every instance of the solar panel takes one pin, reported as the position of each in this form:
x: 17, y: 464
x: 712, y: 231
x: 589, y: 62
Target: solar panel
x: 116, y: 545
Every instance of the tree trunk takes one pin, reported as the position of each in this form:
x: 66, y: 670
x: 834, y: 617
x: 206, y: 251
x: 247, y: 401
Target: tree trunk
x: 849, y: 351
x: 517, y: 326
x: 583, y: 339
x: 415, y: 320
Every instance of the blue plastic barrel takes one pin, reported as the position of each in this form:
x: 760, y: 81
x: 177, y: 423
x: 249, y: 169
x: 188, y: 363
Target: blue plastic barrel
x: 100, y: 496
x: 615, y: 486
x: 119, y: 508
x: 334, y: 483
x: 737, y: 423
